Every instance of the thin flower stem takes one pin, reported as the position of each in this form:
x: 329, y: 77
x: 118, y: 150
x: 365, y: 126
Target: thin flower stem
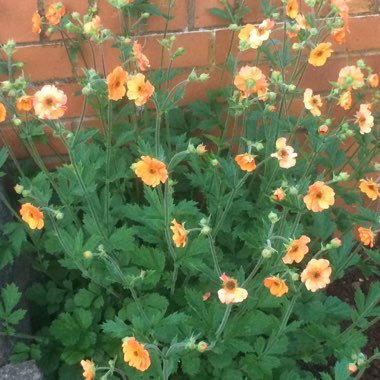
x: 111, y: 371
x: 22, y: 336
x: 108, y: 164
x: 254, y: 271
x: 224, y: 321
x: 157, y: 131
x: 214, y: 255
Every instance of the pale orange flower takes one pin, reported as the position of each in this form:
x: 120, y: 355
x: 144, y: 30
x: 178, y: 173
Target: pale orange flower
x: 323, y: 129
x: 206, y: 296
x: 24, y: 103
x: 351, y: 77
x: 345, y: 100
x: 319, y: 197
x: 142, y: 59
x: 231, y: 293
x: 342, y: 7
x: 318, y: 56
x: 364, y: 119
x: 366, y: 236
x: 245, y: 32
x: 301, y: 23
x: 93, y: 27
x: 373, y: 80
x: 179, y: 234
x: 370, y: 188
x: 116, y: 81
x: 312, y: 102
x: 292, y: 9
x: 201, y: 149
x: 276, y: 286
x: 339, y: 35
x: 3, y: 112
x: 352, y: 367
x: 88, y: 369
x: 251, y: 80
x: 32, y: 215
x: 49, y: 103
x: 36, y: 23
x: 135, y: 354
x: 285, y: 154
x: 260, y: 34
x: 317, y: 274
x: 297, y: 250
x: 278, y: 195
x: 246, y: 162
x: 54, y: 13
x: 139, y: 90
x: 151, y: 171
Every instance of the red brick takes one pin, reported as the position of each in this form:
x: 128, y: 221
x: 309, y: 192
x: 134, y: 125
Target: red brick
x: 75, y: 100
x: 16, y: 21
x: 109, y: 16
x: 44, y: 62
x: 179, y: 12
x: 13, y: 141
x: 360, y: 6
x: 203, y: 18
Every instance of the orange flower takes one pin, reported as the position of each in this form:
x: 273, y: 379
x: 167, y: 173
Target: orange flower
x: 345, y: 100
x: 179, y: 234
x: 316, y: 275
x: 88, y: 369
x: 24, y: 103
x: 49, y: 102
x: 32, y: 215
x: 116, y: 81
x: 319, y: 197
x: 135, y: 354
x: 342, y: 8
x: 297, y: 250
x: 3, y: 112
x: 151, y: 171
x: 350, y: 77
x: 370, y: 188
x: 292, y: 8
x: 339, y: 35
x: 276, y: 286
x: 93, y: 26
x: 323, y: 129
x: 36, y: 23
x: 318, y: 56
x: 251, y: 80
x: 139, y: 90
x: 230, y: 293
x: 201, y: 149
x: 245, y: 32
x: 246, y: 162
x: 55, y: 12
x: 142, y: 59
x: 301, y: 23
x: 260, y: 34
x: 373, y: 80
x: 278, y: 195
x: 312, y: 102
x: 365, y: 119
x: 352, y: 367
x: 367, y: 237
x: 285, y: 154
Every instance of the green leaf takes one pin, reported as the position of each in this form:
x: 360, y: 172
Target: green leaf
x: 220, y: 13
x: 84, y: 298
x: 15, y: 317
x: 116, y: 328
x: 123, y: 239
x: 341, y: 370
x: 4, y: 153
x: 66, y: 329
x: 191, y: 363
x: 10, y: 298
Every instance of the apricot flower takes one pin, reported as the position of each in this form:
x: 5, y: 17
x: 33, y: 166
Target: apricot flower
x: 116, y: 81
x: 367, y: 236
x: 345, y: 100
x: 312, y: 102
x: 36, y: 23
x: 350, y: 77
x: 278, y: 195
x: 370, y: 188
x: 316, y: 275
x: 319, y: 197
x: 258, y: 35
x: 292, y: 9
x: 373, y: 80
x: 24, y: 103
x: 342, y: 8
x: 88, y: 369
x: 54, y: 13
x: 297, y: 250
x: 179, y: 234
x: 246, y: 162
x: 139, y: 90
x: 151, y: 171
x: 339, y: 35
x: 32, y: 215
x: 285, y: 154
x: 231, y: 293
x: 318, y: 56
x: 142, y: 59
x: 93, y: 26
x: 276, y: 286
x: 3, y: 112
x: 49, y: 103
x: 135, y: 354
x: 251, y: 80
x: 364, y: 119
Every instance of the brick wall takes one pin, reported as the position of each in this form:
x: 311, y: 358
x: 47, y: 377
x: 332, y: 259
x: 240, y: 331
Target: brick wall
x: 204, y: 37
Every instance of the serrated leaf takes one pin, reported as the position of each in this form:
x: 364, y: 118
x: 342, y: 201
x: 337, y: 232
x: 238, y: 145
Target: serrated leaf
x: 116, y: 328
x: 66, y: 329
x: 191, y: 363
x: 10, y: 296
x: 84, y: 298
x: 15, y: 317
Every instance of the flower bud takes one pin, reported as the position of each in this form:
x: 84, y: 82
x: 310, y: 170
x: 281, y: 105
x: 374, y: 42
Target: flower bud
x: 190, y: 148
x: 204, y: 77
x: 26, y: 193
x: 19, y: 189
x: 205, y: 230
x: 88, y: 255
x: 323, y: 130
x: 362, y: 359
x: 214, y: 162
x: 293, y: 190
x: 273, y: 217
x: 75, y: 15
x: 292, y: 88
x: 313, y: 31
x: 296, y: 46
x: 294, y: 276
x: 59, y: 215
x: 259, y: 146
x: 336, y: 243
x: 201, y: 149
x: 352, y: 368
x: 173, y: 38
x: 202, y: 346
x: 192, y: 76
x: 267, y: 253
x: 190, y: 345
x: 361, y: 64
x: 145, y: 15
x: 234, y: 27
x: 16, y: 121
